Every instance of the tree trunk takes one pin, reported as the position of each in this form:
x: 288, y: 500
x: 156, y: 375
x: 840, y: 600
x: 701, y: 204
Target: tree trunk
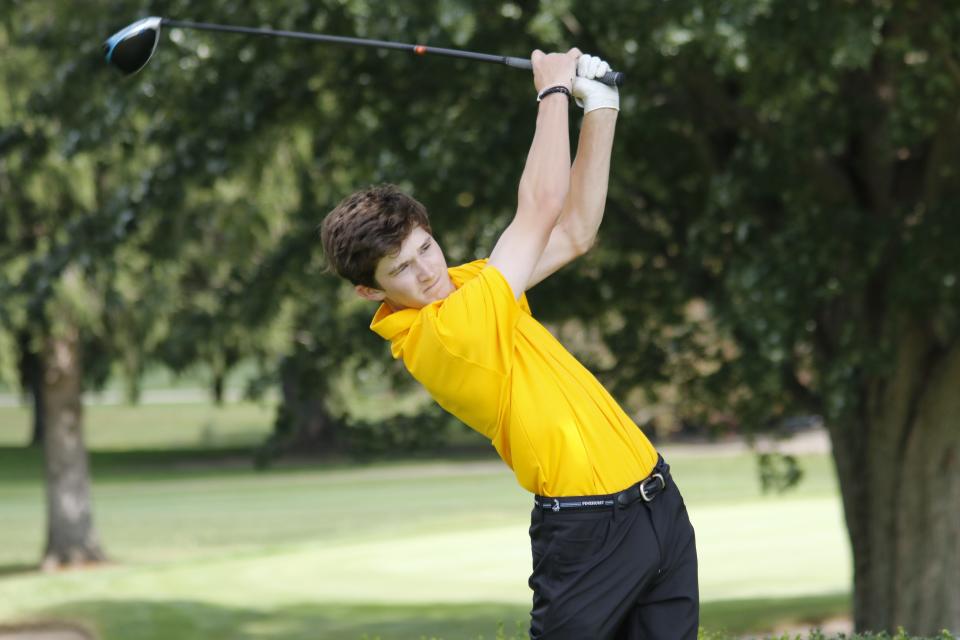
x: 303, y: 411
x: 218, y: 388
x: 899, y: 471
x: 223, y: 361
x: 133, y: 376
x: 36, y: 394
x: 31, y: 380
x: 71, y: 537
x: 303, y: 424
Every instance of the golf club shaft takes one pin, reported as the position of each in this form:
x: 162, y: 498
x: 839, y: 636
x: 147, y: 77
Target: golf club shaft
x: 611, y: 78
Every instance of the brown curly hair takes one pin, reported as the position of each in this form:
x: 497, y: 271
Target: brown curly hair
x: 366, y: 226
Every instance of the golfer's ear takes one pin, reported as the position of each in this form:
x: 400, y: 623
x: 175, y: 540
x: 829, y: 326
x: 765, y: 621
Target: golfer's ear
x: 369, y: 293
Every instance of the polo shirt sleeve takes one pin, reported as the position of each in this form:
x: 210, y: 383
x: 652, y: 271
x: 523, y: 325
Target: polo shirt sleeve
x: 476, y: 323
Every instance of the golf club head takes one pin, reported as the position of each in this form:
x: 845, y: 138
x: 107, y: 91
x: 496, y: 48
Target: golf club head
x: 132, y: 47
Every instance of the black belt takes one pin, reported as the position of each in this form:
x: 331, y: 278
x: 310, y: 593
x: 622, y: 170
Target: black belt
x: 646, y: 490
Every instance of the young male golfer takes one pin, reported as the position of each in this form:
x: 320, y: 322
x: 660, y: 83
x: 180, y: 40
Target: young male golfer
x: 613, y: 549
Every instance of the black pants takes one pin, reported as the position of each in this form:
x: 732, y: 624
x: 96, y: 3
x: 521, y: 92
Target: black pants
x: 627, y: 573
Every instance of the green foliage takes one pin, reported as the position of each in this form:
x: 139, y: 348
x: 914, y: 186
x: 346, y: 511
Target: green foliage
x: 778, y: 472
x: 781, y: 166
x: 780, y: 210
x: 428, y: 430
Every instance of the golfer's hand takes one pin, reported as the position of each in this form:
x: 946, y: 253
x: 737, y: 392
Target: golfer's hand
x: 592, y: 94
x: 551, y: 70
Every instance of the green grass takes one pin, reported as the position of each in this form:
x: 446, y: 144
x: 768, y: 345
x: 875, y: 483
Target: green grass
x: 205, y: 547
x: 156, y: 426
x: 154, y: 619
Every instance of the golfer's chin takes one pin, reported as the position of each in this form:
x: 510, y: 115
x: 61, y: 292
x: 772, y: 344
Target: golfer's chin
x: 428, y: 296
x: 419, y: 302
x: 441, y: 290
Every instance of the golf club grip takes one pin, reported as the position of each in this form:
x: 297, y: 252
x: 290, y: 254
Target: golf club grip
x: 612, y: 78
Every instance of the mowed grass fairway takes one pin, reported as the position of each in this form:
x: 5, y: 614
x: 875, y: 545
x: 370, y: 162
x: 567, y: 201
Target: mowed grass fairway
x: 205, y: 547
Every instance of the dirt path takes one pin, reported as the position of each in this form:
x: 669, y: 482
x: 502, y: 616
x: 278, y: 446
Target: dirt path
x: 44, y: 631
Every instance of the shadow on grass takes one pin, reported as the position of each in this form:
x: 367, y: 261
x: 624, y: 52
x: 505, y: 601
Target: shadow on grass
x: 769, y: 614
x: 25, y: 464
x: 191, y: 620
x: 7, y: 570
x: 19, y: 464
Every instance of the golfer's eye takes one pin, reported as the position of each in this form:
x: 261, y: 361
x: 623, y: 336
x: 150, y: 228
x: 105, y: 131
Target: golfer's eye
x: 423, y: 249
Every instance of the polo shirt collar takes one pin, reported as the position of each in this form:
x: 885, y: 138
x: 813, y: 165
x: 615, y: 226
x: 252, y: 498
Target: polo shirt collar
x: 390, y: 324
x: 393, y: 325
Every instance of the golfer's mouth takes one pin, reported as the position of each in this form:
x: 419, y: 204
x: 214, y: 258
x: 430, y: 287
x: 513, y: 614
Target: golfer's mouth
x: 432, y: 285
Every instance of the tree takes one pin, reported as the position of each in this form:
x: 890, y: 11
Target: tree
x: 781, y: 239
x: 40, y: 191
x: 134, y: 217
x: 88, y: 249
x: 71, y: 536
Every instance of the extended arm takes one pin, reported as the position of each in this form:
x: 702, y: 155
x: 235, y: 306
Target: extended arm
x: 577, y: 227
x: 546, y: 176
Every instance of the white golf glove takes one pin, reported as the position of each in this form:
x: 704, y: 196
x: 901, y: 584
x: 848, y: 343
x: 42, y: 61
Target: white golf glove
x: 592, y: 94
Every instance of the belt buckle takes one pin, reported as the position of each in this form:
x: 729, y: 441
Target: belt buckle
x: 643, y: 489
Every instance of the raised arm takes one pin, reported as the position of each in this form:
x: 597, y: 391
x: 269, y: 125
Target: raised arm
x: 577, y: 227
x: 546, y: 175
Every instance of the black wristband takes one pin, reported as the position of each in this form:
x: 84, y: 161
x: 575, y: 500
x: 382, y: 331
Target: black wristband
x: 558, y: 88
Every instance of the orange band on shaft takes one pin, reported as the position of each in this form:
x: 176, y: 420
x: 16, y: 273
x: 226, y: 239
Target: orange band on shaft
x: 419, y: 49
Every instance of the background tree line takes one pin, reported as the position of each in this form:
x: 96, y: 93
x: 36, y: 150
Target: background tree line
x: 780, y: 236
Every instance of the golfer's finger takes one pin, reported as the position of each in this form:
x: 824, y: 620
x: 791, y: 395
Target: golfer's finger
x: 602, y: 70
x: 593, y: 66
x: 583, y: 64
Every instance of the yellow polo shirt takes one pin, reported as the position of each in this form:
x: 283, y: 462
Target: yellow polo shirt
x: 484, y: 358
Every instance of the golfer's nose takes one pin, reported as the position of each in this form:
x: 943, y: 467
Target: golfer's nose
x: 423, y: 271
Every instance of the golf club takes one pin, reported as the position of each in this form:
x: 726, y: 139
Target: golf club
x: 132, y: 47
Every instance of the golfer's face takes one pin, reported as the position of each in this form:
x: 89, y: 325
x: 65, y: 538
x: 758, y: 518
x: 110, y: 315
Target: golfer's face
x: 416, y: 275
